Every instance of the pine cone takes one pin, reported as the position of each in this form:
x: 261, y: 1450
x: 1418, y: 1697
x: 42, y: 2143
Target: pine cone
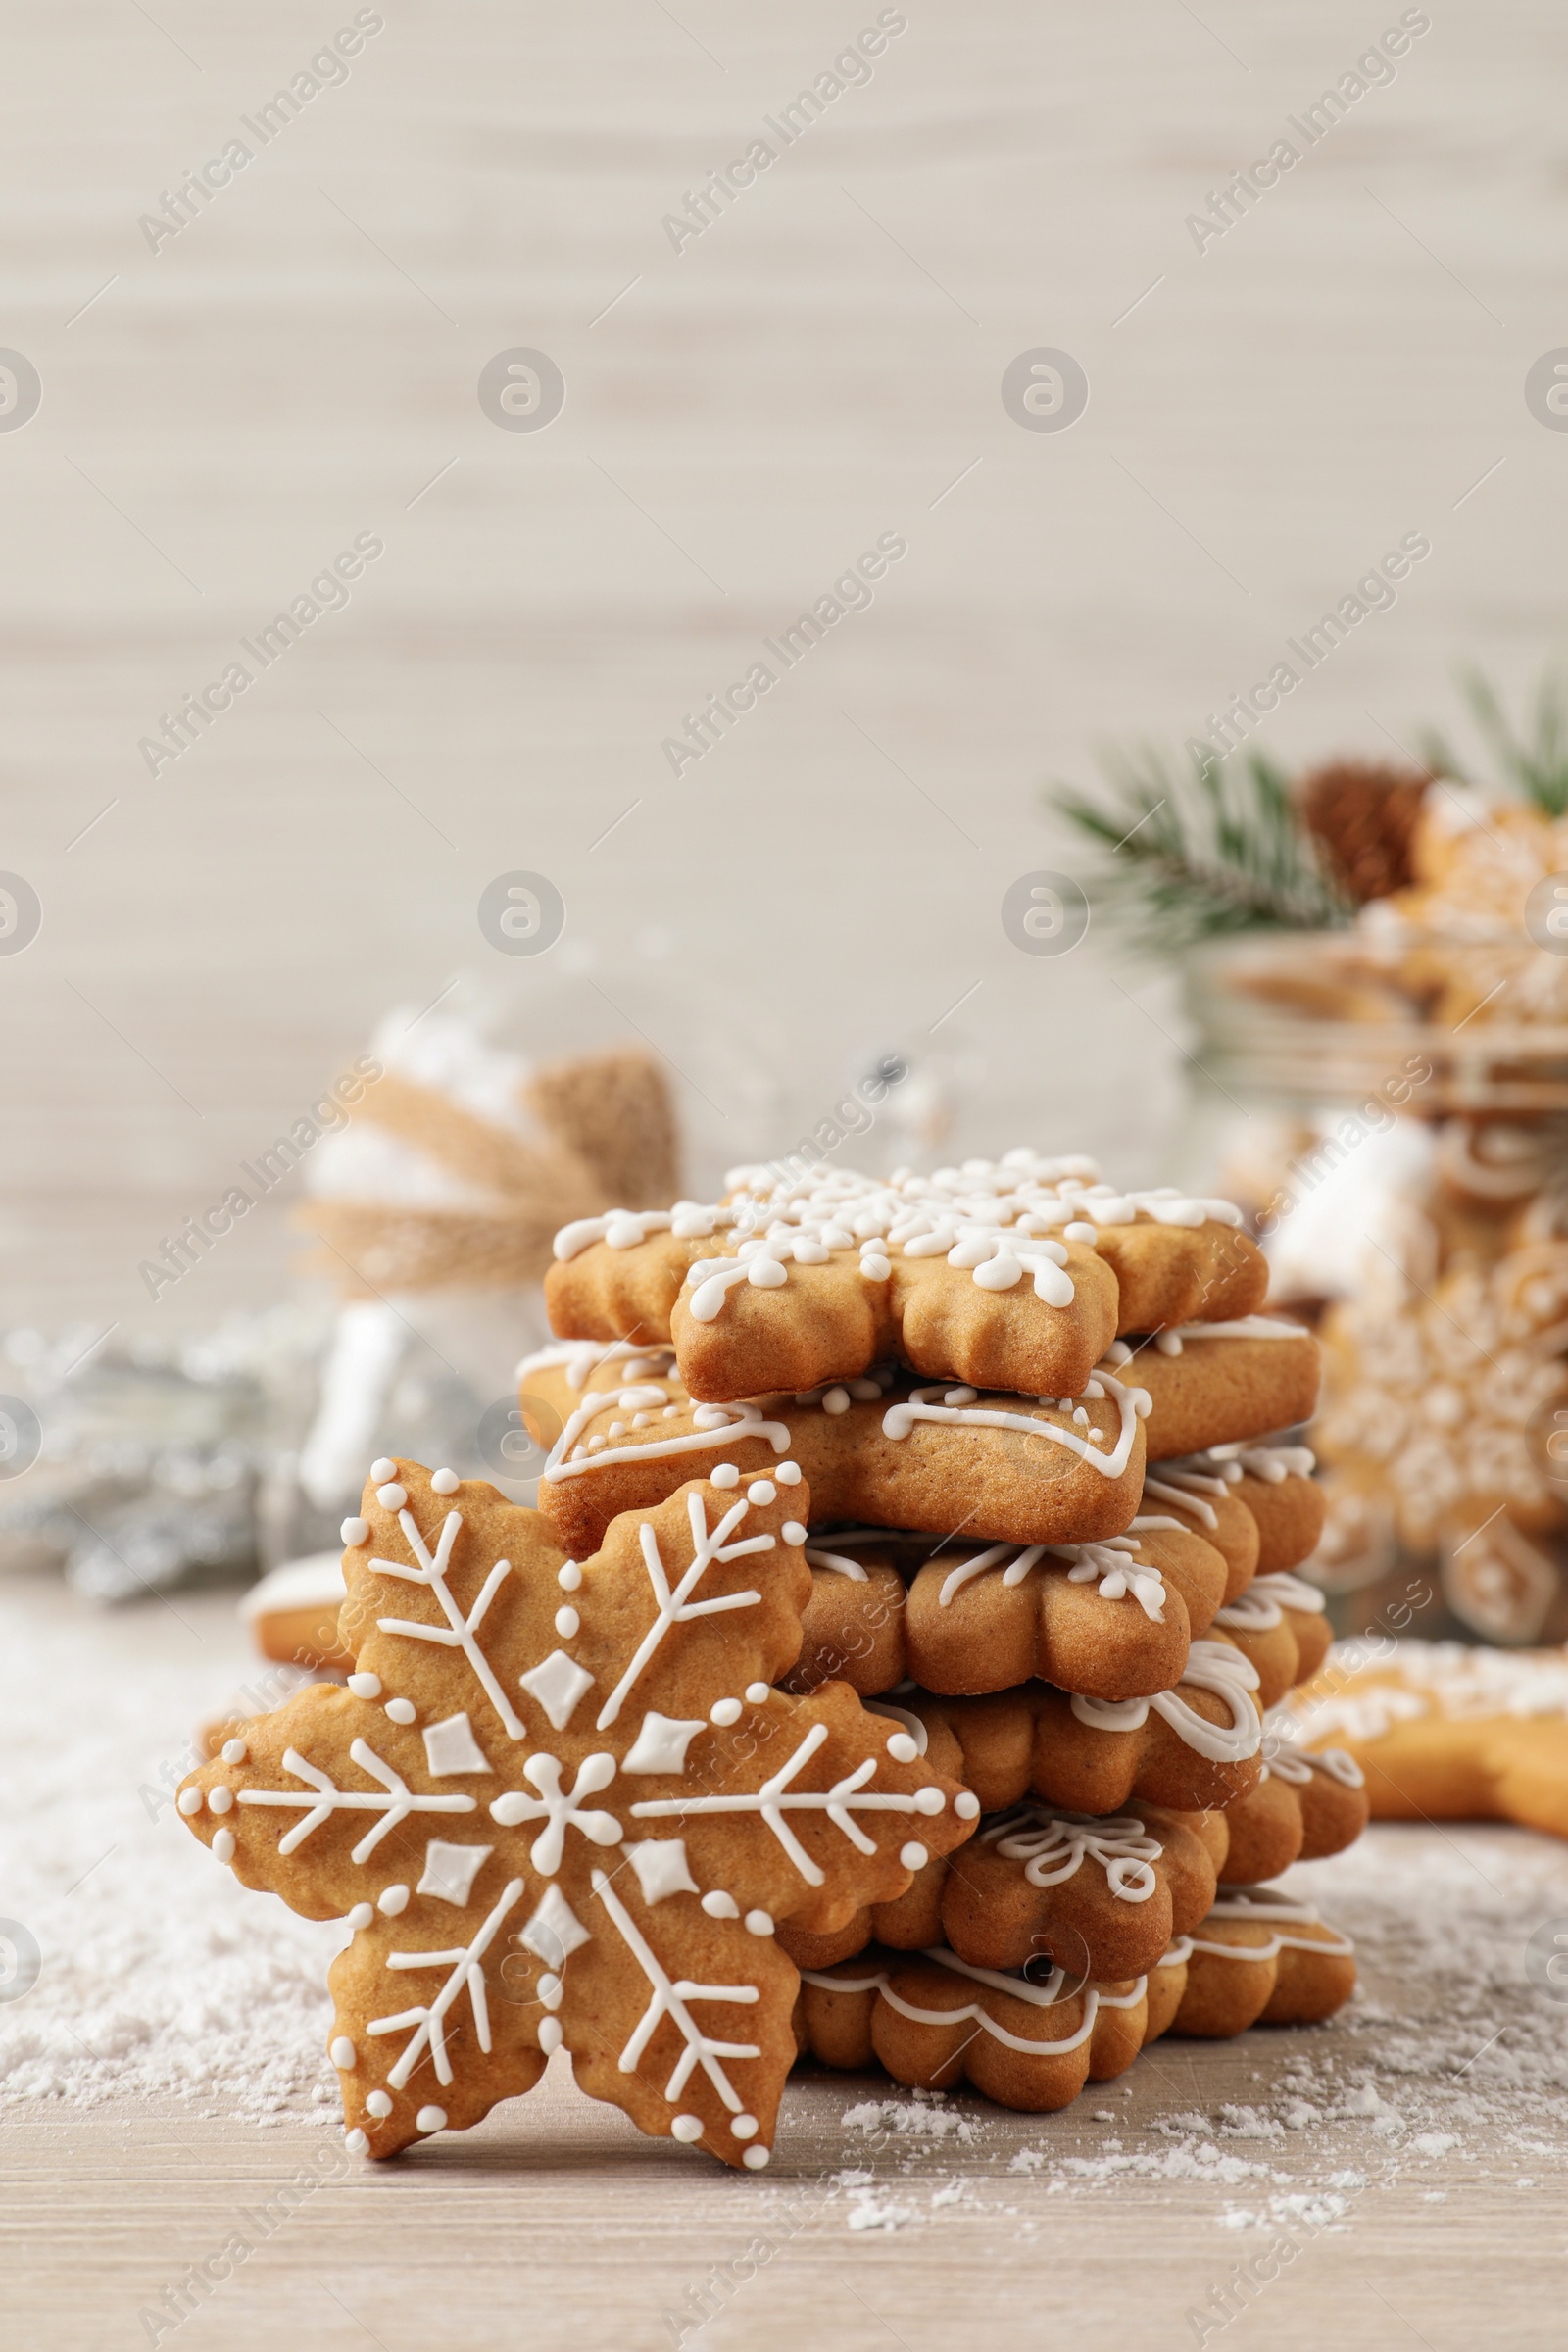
x: 1362, y: 817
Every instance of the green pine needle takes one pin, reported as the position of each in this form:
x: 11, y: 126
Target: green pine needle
x: 1198, y: 854
x: 1537, y: 766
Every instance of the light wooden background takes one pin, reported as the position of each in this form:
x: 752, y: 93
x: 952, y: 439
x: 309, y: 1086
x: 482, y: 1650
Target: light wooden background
x: 823, y: 365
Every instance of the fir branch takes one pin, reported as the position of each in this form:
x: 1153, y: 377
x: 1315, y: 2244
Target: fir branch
x: 1536, y: 766
x: 1200, y: 854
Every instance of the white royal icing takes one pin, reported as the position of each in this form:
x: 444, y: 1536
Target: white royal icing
x: 776, y: 1798
x: 1133, y: 1404
x: 1267, y: 1907
x: 1214, y: 1666
x: 1056, y: 1989
x: 1289, y: 1762
x: 1053, y: 1848
x: 997, y: 1220
x: 321, y: 1798
x: 1244, y: 1326
x: 719, y: 1425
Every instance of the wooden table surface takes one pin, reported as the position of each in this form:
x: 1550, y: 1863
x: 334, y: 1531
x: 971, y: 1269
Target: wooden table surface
x: 554, y: 2224
x: 1409, y: 2156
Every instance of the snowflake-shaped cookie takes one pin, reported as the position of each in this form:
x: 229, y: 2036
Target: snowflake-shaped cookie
x: 560, y: 1805
x: 1013, y: 1274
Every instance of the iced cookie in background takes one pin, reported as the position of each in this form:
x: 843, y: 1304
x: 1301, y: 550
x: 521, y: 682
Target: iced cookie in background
x: 1446, y: 1732
x: 561, y: 1804
x: 292, y: 1613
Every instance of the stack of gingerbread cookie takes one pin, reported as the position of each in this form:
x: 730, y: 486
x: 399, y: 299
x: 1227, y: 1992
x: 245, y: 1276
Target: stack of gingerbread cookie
x: 1048, y: 1539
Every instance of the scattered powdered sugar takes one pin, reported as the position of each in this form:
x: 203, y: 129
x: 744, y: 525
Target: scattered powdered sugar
x: 922, y: 2116
x: 160, y: 1974
x: 162, y: 1977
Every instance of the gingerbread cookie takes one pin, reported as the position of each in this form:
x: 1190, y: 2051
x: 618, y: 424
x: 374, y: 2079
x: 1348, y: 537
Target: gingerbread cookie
x: 1194, y: 1748
x: 1094, y: 1617
x: 1447, y: 1732
x: 1306, y: 1805
x: 793, y: 1284
x: 881, y: 1450
x: 560, y: 1805
x: 1280, y: 1623
x: 1102, y: 1896
x: 1256, y: 1502
x: 1029, y: 2041
x: 292, y: 1613
x: 1211, y: 1384
x: 1261, y: 1958
x: 1114, y: 1620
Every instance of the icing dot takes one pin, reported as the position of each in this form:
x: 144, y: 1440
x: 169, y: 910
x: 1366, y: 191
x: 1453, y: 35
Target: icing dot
x: 671, y: 1413
x: 355, y: 1530
x: 392, y: 1900
x: 758, y: 1695
x: 902, y: 1748
x: 618, y: 1429
x: 379, y: 2104
x: 687, y: 2128
x: 235, y: 1751
x: 551, y: 2035
x: 594, y: 1443
x: 569, y: 1577
x: 759, y: 1923
x: 550, y: 1990
x: 719, y: 1905
x: 343, y: 2054
x: 761, y: 1491
x: 793, y: 1532
x: 743, y: 2127
x: 430, y: 2119
x: 929, y: 1800
x: 966, y: 1804
x: 223, y: 1846
x: 356, y: 2142
x: 443, y: 1482
x: 567, y: 1622
x: 726, y: 1475
x: 360, y: 1917
x: 221, y: 1799
x: 392, y: 1498
x: 754, y: 2158
x: 366, y: 1685
x: 876, y: 1269
x: 190, y: 1801
x: 836, y: 1401
x: 788, y: 1474
x: 724, y: 1711
x: 914, y: 1856
x: 1078, y: 1231
x: 383, y: 1469
x: 401, y: 1710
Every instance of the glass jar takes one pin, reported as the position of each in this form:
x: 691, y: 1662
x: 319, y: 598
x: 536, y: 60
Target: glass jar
x: 1400, y: 1144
